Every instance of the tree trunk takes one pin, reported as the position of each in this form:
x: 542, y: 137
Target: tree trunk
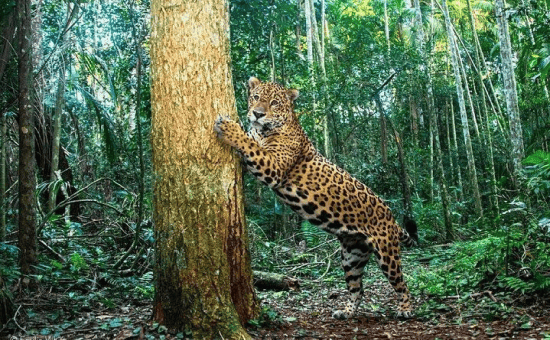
x: 6, y: 304
x: 387, y: 28
x: 454, y: 150
x: 486, y: 128
x: 7, y: 45
x: 27, y: 171
x: 3, y: 139
x: 56, y: 137
x: 510, y: 91
x: 449, y: 232
x: 202, y: 269
x: 403, y: 174
x: 383, y: 136
x: 464, y: 118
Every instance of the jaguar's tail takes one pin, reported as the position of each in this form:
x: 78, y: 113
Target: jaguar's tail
x: 409, y: 235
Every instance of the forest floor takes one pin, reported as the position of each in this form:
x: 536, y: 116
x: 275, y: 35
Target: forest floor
x: 303, y: 314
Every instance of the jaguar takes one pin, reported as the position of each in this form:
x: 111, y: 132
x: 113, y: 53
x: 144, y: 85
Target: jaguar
x: 277, y: 151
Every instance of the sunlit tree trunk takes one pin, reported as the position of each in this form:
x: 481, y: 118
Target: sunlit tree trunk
x: 202, y: 266
x: 27, y: 170
x: 510, y: 91
x: 464, y: 118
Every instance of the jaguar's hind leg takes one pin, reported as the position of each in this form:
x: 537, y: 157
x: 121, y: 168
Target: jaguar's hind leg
x: 354, y: 259
x: 390, y: 262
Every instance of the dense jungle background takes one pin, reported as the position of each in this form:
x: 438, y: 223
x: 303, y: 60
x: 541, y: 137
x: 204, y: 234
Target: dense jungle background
x: 441, y: 107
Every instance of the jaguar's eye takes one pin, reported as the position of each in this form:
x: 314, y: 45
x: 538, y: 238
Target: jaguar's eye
x: 274, y: 102
x: 256, y: 97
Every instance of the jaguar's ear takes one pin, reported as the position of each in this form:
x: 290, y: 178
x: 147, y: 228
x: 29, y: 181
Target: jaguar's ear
x: 253, y: 82
x: 292, y: 94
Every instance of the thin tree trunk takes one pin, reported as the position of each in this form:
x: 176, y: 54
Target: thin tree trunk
x: 464, y: 118
x: 455, y: 154
x: 387, y: 27
x: 486, y: 128
x: 56, y: 137
x: 141, y: 179
x: 510, y: 89
x: 326, y: 98
x: 3, y: 139
x: 468, y: 94
x: 202, y: 269
x: 309, y: 33
x: 272, y: 53
x: 383, y: 137
x: 403, y: 174
x: 449, y: 231
x: 449, y: 147
x: 7, y: 37
x: 27, y: 168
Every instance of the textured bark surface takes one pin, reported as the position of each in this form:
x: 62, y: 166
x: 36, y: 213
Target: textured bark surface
x: 27, y: 178
x: 510, y: 91
x: 203, y: 275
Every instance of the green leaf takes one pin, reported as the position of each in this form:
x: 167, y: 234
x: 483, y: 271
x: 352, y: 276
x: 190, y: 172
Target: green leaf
x: 116, y: 322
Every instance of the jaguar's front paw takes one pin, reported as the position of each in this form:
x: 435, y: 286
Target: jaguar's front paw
x: 221, y: 125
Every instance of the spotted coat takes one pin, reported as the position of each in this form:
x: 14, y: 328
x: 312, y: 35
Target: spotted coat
x: 277, y: 151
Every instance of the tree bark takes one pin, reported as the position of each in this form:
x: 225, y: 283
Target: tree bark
x: 202, y: 268
x: 27, y: 171
x: 449, y: 231
x: 56, y: 135
x: 7, y: 37
x: 403, y: 174
x: 510, y: 89
x: 3, y: 139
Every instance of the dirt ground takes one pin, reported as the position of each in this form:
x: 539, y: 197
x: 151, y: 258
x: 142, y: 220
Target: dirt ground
x: 304, y: 314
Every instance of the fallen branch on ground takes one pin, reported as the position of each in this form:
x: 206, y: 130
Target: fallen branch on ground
x: 273, y: 281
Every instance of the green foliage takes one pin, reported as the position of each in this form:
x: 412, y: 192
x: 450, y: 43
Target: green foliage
x: 267, y: 317
x: 78, y: 263
x: 312, y: 234
x: 515, y: 258
x: 538, y: 172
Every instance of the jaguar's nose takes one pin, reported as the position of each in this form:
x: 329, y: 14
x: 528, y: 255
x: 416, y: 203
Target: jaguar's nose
x: 258, y: 112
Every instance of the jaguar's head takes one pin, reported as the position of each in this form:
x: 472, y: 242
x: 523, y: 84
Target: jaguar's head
x: 270, y: 106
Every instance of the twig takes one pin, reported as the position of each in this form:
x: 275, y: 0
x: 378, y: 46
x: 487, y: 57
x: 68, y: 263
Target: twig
x: 303, y: 265
x: 325, y: 273
x: 474, y: 295
x: 56, y: 254
x: 15, y: 321
x: 68, y: 201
